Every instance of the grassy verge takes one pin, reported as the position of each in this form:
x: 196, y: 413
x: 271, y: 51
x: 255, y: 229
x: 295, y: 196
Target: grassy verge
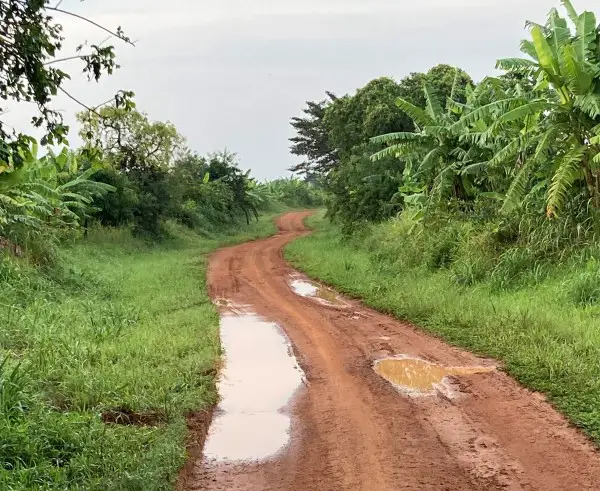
x: 547, y: 341
x: 119, y: 330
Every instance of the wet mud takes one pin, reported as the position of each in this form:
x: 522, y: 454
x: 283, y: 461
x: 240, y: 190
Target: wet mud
x: 352, y: 423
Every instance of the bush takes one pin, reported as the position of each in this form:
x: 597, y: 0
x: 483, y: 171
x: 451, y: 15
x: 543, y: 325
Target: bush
x: 584, y: 288
x: 115, y: 209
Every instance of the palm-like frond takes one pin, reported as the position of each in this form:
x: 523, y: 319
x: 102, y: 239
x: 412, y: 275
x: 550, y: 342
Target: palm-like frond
x: 395, y: 137
x: 434, y: 107
x: 455, y: 85
x: 528, y: 48
x: 420, y: 117
x: 475, y: 168
x: 567, y: 171
x: 518, y: 65
x: 570, y: 11
x: 518, y: 187
x: 520, y: 112
x: 586, y: 35
x: 544, y: 53
x: 429, y: 161
x: 507, y: 153
x: 545, y: 142
x: 589, y: 104
x: 560, y: 33
x: 578, y: 79
x: 487, y: 111
x: 391, y: 151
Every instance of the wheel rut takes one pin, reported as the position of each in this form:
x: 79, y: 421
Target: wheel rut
x: 353, y: 430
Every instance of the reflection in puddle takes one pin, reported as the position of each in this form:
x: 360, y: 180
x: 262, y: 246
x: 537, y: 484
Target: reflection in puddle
x: 259, y: 377
x: 417, y: 375
x: 322, y: 294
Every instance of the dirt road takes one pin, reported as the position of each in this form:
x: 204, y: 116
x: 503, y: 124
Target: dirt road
x: 352, y: 430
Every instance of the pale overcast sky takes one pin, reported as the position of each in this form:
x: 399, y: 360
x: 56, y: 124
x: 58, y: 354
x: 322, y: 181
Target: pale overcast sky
x: 230, y: 73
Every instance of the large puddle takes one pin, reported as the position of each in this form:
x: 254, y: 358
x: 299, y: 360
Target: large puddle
x: 419, y: 376
x: 322, y: 294
x: 259, y: 377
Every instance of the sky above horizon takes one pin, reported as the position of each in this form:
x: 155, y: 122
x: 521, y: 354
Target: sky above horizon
x: 230, y: 74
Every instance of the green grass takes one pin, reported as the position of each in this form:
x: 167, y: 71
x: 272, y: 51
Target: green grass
x: 546, y: 330
x: 117, y: 325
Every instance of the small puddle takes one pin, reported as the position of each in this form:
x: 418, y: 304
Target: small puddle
x: 259, y: 377
x: 320, y: 293
x: 420, y: 376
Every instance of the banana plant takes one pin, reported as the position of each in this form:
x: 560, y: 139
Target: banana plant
x: 561, y: 125
x: 437, y: 155
x: 49, y: 192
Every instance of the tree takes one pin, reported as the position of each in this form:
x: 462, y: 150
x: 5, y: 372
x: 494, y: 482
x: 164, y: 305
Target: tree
x: 560, y: 122
x: 128, y: 139
x: 141, y: 149
x: 440, y: 78
x: 45, y: 194
x: 433, y: 153
x: 30, y: 39
x: 312, y: 140
x: 223, y: 167
x: 352, y: 120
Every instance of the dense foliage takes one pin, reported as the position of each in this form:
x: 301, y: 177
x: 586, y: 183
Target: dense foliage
x: 88, y: 310
x: 519, y: 154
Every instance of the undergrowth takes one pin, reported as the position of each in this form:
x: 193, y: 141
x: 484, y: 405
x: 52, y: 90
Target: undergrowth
x: 117, y: 325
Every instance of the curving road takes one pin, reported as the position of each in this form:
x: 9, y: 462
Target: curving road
x: 353, y: 431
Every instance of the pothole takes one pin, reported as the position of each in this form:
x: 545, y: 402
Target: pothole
x: 259, y: 377
x: 320, y: 293
x: 420, y: 377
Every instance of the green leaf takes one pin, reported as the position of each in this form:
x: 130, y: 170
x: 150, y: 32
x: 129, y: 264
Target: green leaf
x: 528, y: 48
x: 586, y: 34
x: 394, y: 137
x: 570, y: 11
x: 487, y: 111
x: 518, y: 65
x: 475, y: 168
x: 547, y: 61
x: 507, y: 153
x: 546, y: 141
x: 391, y: 151
x: 428, y: 163
x: 517, y: 190
x: 589, y: 103
x: 560, y: 31
x: 434, y: 107
x: 521, y: 112
x: 568, y: 169
x: 578, y: 80
x: 418, y: 115
x: 492, y: 195
x: 455, y: 85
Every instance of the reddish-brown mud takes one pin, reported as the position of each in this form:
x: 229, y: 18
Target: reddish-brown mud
x: 353, y: 430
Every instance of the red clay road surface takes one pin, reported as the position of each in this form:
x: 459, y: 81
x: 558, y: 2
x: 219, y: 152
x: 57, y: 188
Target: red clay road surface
x: 351, y: 430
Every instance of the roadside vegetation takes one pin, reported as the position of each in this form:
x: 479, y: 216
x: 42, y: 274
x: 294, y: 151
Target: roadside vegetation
x: 108, y: 339
x: 472, y: 209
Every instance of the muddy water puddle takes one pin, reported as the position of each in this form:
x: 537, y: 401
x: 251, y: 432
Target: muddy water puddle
x: 322, y: 294
x: 419, y: 376
x: 259, y: 377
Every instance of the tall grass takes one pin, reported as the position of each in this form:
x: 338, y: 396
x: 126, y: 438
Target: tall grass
x: 117, y: 326
x: 540, y: 317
